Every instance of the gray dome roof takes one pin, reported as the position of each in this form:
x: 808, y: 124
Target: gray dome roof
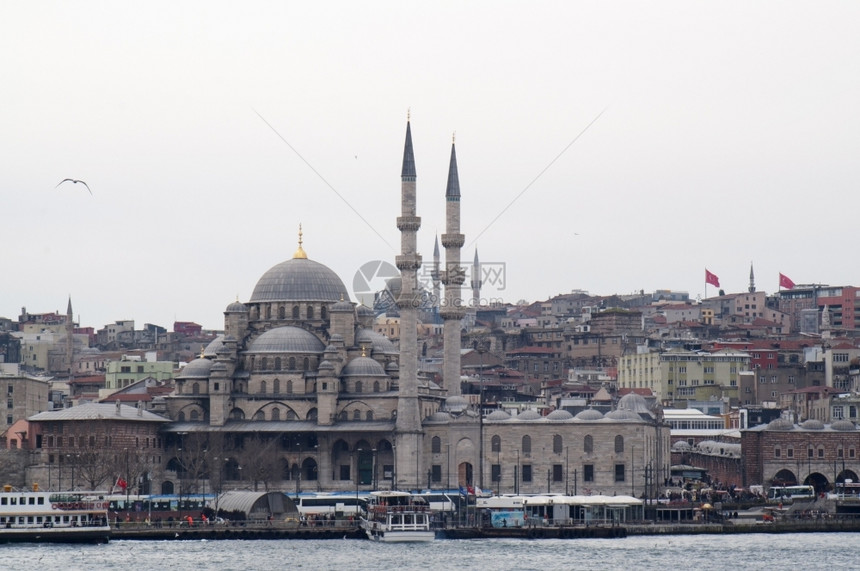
x: 342, y: 306
x: 634, y: 402
x: 559, y: 415
x: 812, y: 424
x: 589, y: 414
x: 843, y: 425
x: 326, y: 366
x: 681, y: 446
x: 379, y: 343
x: 364, y: 311
x: 197, y: 369
x: 780, y: 424
x: 287, y: 339
x: 392, y: 367
x: 363, y: 367
x: 214, y: 346
x: 299, y: 279
x: 439, y: 416
x: 498, y: 415
x: 622, y: 414
x: 456, y: 404
x: 236, y: 307
x: 529, y: 415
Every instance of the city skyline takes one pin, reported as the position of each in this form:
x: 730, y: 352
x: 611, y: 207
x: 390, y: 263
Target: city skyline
x: 606, y: 148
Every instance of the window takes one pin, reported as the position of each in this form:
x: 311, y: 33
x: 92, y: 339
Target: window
x: 436, y: 472
x: 376, y: 386
x: 356, y: 415
x: 527, y: 472
x: 619, y: 444
x: 777, y: 452
x: 436, y: 445
x: 262, y: 387
x: 527, y: 445
x: 369, y: 415
x: 619, y: 472
x: 790, y: 452
x: 276, y: 413
x: 496, y: 443
x: 821, y: 452
x: 588, y: 473
x: 810, y: 452
x: 557, y: 473
x: 557, y: 444
x: 588, y: 444
x: 496, y: 472
x: 358, y: 386
x: 310, y: 312
x: 295, y: 312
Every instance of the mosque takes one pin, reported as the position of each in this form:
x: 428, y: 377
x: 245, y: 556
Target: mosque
x: 300, y: 393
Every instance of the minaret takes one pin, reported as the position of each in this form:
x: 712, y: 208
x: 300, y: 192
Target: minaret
x: 752, y: 279
x: 408, y: 430
x: 476, y: 282
x: 453, y: 277
x: 70, y: 338
x: 437, y: 284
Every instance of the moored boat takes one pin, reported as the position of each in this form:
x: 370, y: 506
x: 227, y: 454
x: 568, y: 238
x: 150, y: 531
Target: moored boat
x: 396, y: 517
x: 68, y: 517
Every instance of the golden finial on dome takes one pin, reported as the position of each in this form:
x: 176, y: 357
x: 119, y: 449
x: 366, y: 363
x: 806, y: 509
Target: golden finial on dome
x: 363, y: 351
x: 408, y: 113
x: 300, y: 253
x: 453, y: 137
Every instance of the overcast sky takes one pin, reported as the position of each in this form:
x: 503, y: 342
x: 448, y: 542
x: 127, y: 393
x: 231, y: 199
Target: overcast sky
x: 729, y: 133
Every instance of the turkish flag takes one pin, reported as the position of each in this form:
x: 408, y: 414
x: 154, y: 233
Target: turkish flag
x: 711, y: 278
x: 785, y: 281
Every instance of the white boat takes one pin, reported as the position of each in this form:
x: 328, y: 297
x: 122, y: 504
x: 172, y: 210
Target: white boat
x: 68, y: 517
x: 397, y: 517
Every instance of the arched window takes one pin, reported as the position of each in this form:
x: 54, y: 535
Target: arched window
x: 292, y: 363
x: 369, y: 415
x: 356, y: 415
x: 277, y: 363
x: 268, y: 312
x: 195, y: 389
x: 496, y: 443
x: 277, y: 387
x: 588, y: 444
x: 276, y: 413
x: 262, y: 387
x: 527, y: 444
x: 358, y: 386
x: 237, y: 414
x: 264, y: 364
x: 323, y: 313
x: 295, y: 312
x: 195, y: 416
x: 259, y: 415
x: 619, y: 444
x: 282, y: 312
x: 436, y: 445
x: 289, y: 387
x: 376, y: 386
x: 344, y: 415
x: 291, y: 414
x: 310, y: 312
x: 557, y: 444
x: 307, y: 364
x: 312, y: 414
x: 180, y: 417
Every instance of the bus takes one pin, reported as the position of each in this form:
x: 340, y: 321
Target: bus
x: 157, y: 506
x: 335, y: 504
x: 784, y: 493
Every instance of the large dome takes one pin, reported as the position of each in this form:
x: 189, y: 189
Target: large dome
x: 299, y: 279
x: 287, y: 340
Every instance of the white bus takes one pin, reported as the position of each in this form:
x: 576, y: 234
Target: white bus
x: 336, y: 504
x: 785, y: 493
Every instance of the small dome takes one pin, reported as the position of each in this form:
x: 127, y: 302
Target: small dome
x: 498, y: 415
x: 780, y: 424
x: 236, y: 307
x: 622, y: 414
x: 439, y: 416
x: 364, y: 311
x: 843, y: 425
x: 214, y: 346
x: 392, y: 367
x: 199, y: 368
x: 287, y: 339
x: 529, y: 415
x: 559, y: 415
x: 456, y: 404
x: 363, y: 367
x: 326, y: 366
x: 371, y: 339
x: 343, y: 306
x: 634, y: 402
x: 589, y: 414
x: 812, y: 424
x: 681, y: 446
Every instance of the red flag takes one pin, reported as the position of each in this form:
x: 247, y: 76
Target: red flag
x: 121, y: 483
x: 711, y: 278
x: 785, y: 281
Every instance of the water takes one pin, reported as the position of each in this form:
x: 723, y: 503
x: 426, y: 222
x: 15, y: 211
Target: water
x: 712, y: 552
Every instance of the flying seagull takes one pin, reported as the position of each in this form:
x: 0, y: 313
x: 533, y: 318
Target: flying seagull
x: 75, y: 181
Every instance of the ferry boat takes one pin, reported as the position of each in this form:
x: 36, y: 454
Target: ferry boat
x: 396, y: 517
x: 68, y: 517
